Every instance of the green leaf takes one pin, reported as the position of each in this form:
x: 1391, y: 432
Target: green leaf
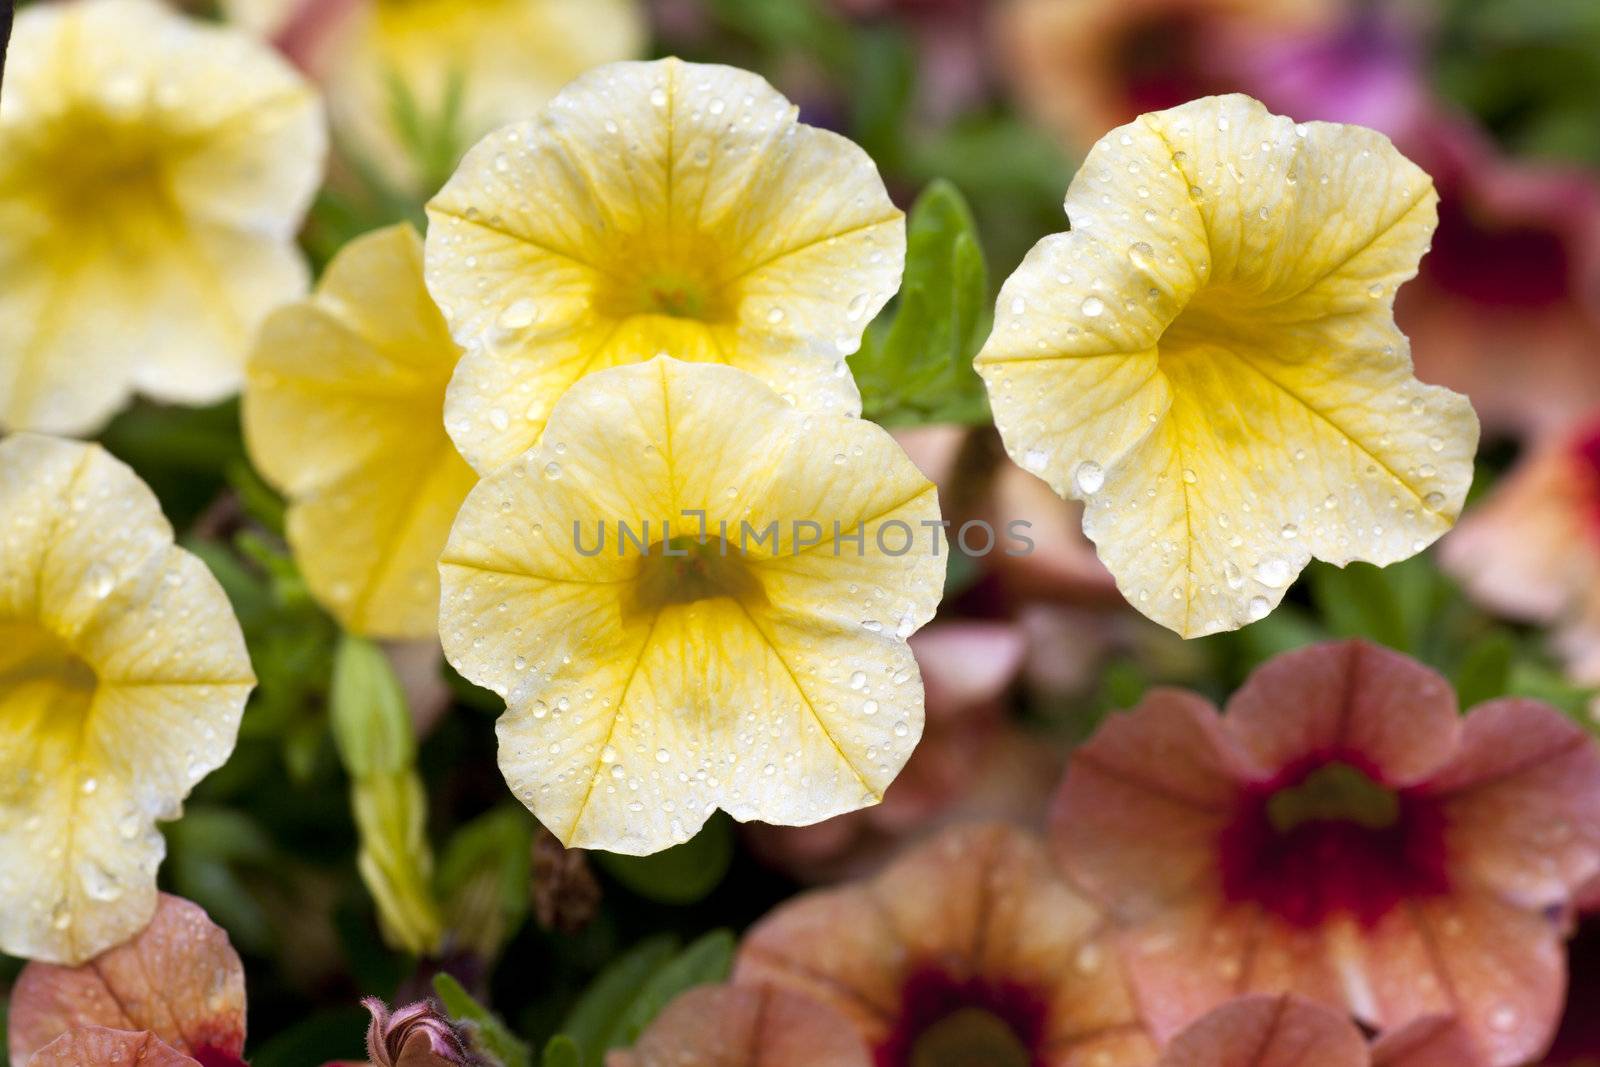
x: 915, y: 365
x: 483, y: 879
x: 1485, y: 669
x: 561, y: 1051
x: 681, y: 874
x: 490, y: 1037
x: 593, y: 1022
x: 704, y: 962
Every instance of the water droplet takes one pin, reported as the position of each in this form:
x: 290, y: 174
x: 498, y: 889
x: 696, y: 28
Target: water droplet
x: 1189, y: 476
x: 1259, y: 608
x: 1094, y: 307
x: 552, y: 470
x: 519, y: 315
x: 1035, y: 460
x: 858, y: 680
x: 658, y: 97
x: 1089, y: 477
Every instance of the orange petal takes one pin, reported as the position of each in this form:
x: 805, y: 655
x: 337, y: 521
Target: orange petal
x: 179, y: 979
x: 743, y: 1026
x: 1435, y: 1041
x: 1137, y: 818
x: 96, y: 1046
x: 1522, y: 800
x: 1498, y: 968
x: 1280, y: 1031
x: 1348, y: 697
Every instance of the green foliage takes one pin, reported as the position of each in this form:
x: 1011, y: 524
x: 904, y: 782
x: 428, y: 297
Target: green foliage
x: 561, y: 1051
x: 915, y: 363
x: 682, y: 874
x: 632, y: 991
x: 483, y: 879
x: 490, y: 1038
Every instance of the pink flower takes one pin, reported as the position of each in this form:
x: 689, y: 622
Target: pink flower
x: 174, y: 995
x: 1290, y: 1031
x: 733, y: 1026
x: 1344, y: 834
x: 1531, y: 549
x: 1507, y: 305
x: 970, y: 948
x: 417, y: 1035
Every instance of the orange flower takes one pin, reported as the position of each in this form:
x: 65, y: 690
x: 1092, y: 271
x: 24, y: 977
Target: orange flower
x: 1084, y: 66
x: 1344, y: 834
x: 1531, y: 550
x: 1290, y: 1031
x: 1506, y: 308
x: 172, y: 996
x: 970, y: 948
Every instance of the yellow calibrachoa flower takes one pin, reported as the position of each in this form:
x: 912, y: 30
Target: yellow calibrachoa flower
x: 122, y: 678
x: 343, y: 413
x: 662, y: 207
x: 507, y: 57
x: 657, y: 676
x: 153, y: 172
x: 1209, y: 360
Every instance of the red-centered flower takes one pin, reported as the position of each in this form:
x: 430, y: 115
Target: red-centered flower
x: 1531, y: 549
x: 732, y: 1026
x: 173, y: 995
x: 1084, y: 66
x: 1344, y: 834
x: 971, y: 948
x: 1507, y: 305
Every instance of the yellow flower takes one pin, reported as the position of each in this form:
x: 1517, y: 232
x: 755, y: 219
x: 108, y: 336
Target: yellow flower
x: 1209, y: 360
x: 662, y: 207
x: 508, y: 57
x: 343, y: 413
x: 153, y: 172
x: 122, y: 678
x: 763, y: 670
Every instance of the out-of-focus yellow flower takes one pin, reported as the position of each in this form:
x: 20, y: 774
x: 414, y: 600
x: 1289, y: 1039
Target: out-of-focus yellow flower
x: 654, y: 208
x: 505, y: 57
x: 360, y: 368
x: 122, y: 678
x: 658, y: 675
x: 1209, y: 360
x: 153, y: 172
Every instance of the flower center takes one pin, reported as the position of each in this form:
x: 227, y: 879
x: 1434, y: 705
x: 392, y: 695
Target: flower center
x: 1327, y: 837
x: 46, y: 691
x: 672, y: 281
x: 971, y: 1037
x: 946, y: 1021
x: 1160, y: 62
x: 684, y: 570
x: 1521, y: 265
x: 211, y: 1056
x: 1333, y: 793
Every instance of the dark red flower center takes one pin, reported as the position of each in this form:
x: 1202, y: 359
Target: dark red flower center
x: 211, y: 1056
x: 1161, y: 62
x: 947, y: 1021
x: 1327, y: 837
x: 1521, y: 266
x: 1585, y: 458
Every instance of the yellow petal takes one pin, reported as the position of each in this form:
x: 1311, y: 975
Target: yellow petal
x: 153, y: 173
x: 122, y: 678
x: 645, y: 691
x: 1209, y: 360
x: 361, y: 368
x: 662, y: 207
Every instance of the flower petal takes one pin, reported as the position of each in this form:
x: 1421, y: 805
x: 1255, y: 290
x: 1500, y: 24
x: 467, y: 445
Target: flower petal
x: 741, y: 1026
x: 1496, y: 967
x: 122, y: 679
x: 1434, y: 1041
x: 1137, y: 818
x: 361, y: 368
x: 1209, y: 360
x: 1349, y: 697
x: 95, y: 1046
x: 1522, y: 802
x: 1280, y: 1031
x: 623, y: 714
x: 656, y: 208
x: 189, y: 156
x: 179, y: 979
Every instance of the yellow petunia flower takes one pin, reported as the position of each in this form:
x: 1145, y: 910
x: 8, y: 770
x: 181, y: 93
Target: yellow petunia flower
x: 744, y: 650
x: 343, y: 413
x: 662, y: 207
x: 153, y: 172
x: 505, y: 57
x: 1209, y: 360
x: 122, y: 678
